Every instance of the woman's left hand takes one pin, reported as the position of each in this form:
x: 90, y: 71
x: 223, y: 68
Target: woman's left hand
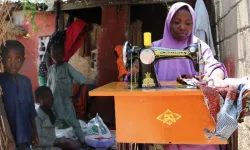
x: 216, y: 79
x: 216, y: 82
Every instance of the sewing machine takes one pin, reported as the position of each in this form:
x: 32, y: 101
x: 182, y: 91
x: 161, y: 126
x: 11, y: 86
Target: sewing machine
x: 159, y: 115
x: 147, y: 58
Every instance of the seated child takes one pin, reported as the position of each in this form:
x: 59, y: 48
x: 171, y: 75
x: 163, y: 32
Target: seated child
x: 17, y: 96
x: 60, y: 80
x: 45, y: 122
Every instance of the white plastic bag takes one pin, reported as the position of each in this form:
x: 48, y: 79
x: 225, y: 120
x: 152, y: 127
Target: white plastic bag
x: 97, y: 134
x: 69, y: 132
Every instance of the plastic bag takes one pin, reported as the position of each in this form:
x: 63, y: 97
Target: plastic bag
x: 97, y: 134
x: 69, y: 132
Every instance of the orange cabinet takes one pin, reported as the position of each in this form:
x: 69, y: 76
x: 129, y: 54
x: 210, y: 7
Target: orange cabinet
x: 165, y: 115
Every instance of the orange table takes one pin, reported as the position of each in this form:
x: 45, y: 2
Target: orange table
x: 163, y: 115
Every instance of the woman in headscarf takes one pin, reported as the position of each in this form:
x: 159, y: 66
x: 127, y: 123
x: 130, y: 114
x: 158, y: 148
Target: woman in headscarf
x: 178, y: 34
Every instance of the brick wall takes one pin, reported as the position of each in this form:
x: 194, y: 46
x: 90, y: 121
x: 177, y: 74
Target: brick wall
x: 233, y: 33
x: 233, y: 43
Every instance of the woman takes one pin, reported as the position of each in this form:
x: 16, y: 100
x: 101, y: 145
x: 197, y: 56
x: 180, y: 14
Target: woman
x: 178, y: 34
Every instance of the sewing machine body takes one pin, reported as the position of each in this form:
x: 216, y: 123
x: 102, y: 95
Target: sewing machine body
x: 148, y: 57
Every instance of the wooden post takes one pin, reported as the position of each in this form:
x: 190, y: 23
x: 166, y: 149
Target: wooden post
x: 6, y: 138
x: 61, y: 25
x: 114, y: 24
x: 57, y: 4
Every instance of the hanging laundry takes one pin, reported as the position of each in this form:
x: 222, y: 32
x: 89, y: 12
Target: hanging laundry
x: 81, y: 104
x: 202, y: 24
x: 120, y: 66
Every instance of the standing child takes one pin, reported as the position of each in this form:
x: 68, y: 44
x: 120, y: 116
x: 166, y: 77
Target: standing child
x: 17, y: 96
x: 60, y: 80
x: 45, y: 122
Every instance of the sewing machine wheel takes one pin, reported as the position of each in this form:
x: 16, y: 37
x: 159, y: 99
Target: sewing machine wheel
x: 147, y: 56
x: 192, y: 49
x: 124, y: 52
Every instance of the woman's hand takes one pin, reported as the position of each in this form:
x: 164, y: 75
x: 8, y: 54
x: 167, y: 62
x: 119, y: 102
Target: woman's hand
x: 216, y: 82
x: 216, y: 79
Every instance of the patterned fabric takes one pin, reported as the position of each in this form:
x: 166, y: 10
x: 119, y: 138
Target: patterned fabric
x: 212, y: 99
x: 243, y: 101
x: 232, y: 111
x: 227, y: 117
x: 227, y: 106
x: 42, y: 69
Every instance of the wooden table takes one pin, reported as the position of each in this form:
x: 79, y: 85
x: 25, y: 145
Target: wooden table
x: 163, y: 115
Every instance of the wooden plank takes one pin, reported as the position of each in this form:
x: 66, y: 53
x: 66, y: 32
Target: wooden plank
x: 91, y: 4
x: 120, y: 89
x: 6, y: 138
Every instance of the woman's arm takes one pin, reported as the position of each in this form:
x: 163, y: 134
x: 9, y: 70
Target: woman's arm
x: 218, y: 73
x: 212, y: 67
x: 214, y: 70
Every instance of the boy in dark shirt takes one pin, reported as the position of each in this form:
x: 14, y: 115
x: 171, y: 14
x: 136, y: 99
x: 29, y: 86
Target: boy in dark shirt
x: 17, y: 96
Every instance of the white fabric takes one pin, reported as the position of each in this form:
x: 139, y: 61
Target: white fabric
x: 235, y: 81
x: 69, y: 133
x: 202, y: 24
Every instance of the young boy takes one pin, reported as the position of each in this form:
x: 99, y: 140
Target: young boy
x: 60, y: 80
x: 45, y: 122
x: 17, y: 96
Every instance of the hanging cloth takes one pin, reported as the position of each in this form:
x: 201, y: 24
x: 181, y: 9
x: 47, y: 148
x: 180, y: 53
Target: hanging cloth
x: 202, y: 25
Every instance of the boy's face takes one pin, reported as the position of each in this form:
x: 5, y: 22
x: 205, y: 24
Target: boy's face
x: 47, y: 100
x: 13, y: 61
x: 57, y: 55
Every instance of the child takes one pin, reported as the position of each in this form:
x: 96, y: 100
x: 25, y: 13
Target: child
x: 45, y: 122
x: 60, y: 80
x: 17, y: 98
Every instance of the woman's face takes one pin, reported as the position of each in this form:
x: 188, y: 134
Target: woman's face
x: 181, y: 24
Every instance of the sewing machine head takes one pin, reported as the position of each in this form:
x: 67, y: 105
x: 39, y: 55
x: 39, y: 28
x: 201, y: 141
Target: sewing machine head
x: 147, y: 58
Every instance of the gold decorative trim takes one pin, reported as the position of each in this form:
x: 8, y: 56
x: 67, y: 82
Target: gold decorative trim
x: 168, y: 117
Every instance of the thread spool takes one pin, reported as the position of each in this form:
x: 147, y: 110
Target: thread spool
x: 147, y: 39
